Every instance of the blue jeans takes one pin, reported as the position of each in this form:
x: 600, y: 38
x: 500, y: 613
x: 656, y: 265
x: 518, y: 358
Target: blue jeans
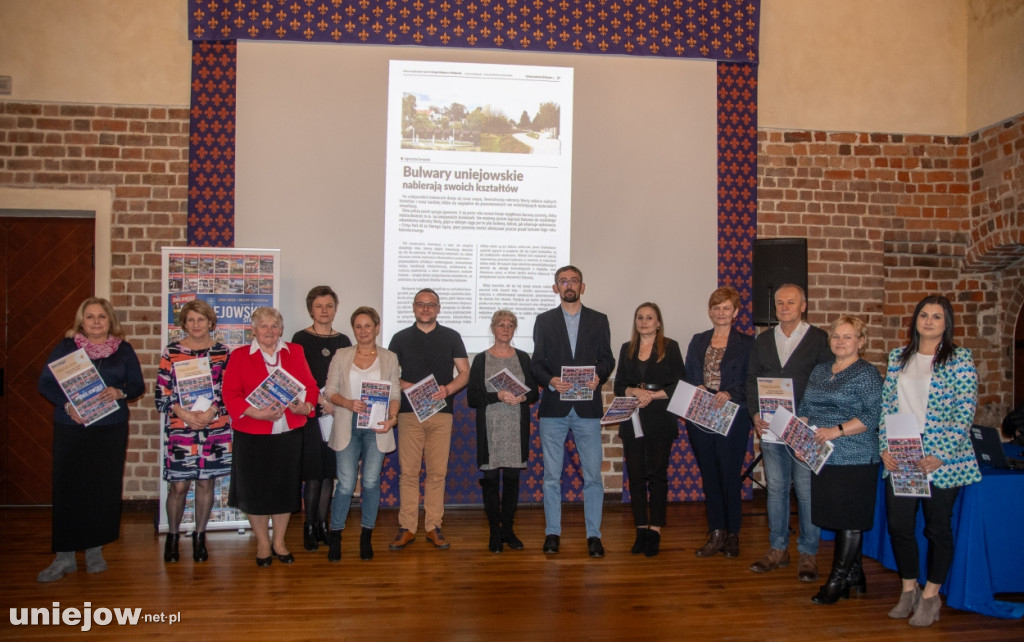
x: 362, y: 446
x: 782, y: 471
x: 587, y: 434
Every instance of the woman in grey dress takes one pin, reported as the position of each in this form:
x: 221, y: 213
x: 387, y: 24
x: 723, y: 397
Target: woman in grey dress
x: 502, y: 428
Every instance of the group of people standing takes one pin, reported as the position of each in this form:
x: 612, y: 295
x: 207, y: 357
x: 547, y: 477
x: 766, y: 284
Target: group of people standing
x: 931, y: 380
x: 272, y: 452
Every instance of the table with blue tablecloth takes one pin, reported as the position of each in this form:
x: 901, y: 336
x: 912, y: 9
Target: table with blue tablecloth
x: 988, y: 532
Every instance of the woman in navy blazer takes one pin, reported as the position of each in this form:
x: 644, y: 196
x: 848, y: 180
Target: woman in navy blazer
x: 716, y: 361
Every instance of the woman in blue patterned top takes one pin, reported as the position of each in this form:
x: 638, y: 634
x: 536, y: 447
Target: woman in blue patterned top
x: 843, y: 399
x: 933, y: 380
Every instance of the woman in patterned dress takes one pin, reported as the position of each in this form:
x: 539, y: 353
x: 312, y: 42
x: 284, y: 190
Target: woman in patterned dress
x: 842, y: 399
x: 197, y: 443
x: 934, y: 380
x: 502, y: 428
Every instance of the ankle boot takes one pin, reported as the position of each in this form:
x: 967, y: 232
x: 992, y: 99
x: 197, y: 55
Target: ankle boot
x: 334, y: 546
x: 714, y: 545
x: 489, y: 490
x: 640, y: 543
x: 509, y: 505
x: 199, y: 552
x: 321, y: 532
x: 653, y: 544
x: 94, y: 562
x: 63, y: 564
x: 365, y: 546
x: 846, y: 546
x: 171, y: 547
x: 309, y: 536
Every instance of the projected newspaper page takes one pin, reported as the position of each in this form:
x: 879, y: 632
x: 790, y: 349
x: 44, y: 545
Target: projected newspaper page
x: 478, y: 190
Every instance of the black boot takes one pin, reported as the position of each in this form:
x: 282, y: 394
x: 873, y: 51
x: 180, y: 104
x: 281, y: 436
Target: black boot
x: 489, y: 490
x: 846, y: 546
x: 333, y: 546
x: 171, y: 547
x: 653, y: 544
x: 509, y: 504
x: 855, y: 577
x: 321, y: 532
x: 199, y: 552
x: 365, y: 546
x: 640, y: 543
x: 309, y: 536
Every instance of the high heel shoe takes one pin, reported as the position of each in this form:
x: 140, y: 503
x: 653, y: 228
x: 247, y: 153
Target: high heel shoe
x: 927, y: 611
x: 264, y: 562
x: 199, y: 552
x: 907, y: 604
x: 171, y: 547
x: 284, y: 559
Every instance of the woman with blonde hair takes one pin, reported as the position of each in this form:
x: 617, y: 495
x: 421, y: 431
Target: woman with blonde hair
x: 88, y: 464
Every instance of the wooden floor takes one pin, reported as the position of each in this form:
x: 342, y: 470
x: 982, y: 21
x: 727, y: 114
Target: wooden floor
x: 465, y: 593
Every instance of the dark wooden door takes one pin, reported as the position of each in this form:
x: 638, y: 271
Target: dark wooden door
x: 46, y: 270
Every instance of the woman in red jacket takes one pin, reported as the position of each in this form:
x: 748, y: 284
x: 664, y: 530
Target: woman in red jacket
x: 266, y: 463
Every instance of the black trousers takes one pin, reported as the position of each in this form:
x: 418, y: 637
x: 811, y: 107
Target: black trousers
x: 938, y: 511
x: 647, y: 470
x: 720, y: 459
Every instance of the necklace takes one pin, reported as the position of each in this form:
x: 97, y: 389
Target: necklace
x: 366, y: 354
x: 324, y: 338
x: 272, y: 364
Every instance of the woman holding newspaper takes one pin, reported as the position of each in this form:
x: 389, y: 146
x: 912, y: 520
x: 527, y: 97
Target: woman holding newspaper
x: 716, y: 361
x: 269, y: 392
x: 362, y: 385
x: 650, y: 366
x: 842, y: 399
x: 319, y: 342
x: 97, y: 370
x: 932, y: 385
x: 197, y: 429
x: 502, y: 389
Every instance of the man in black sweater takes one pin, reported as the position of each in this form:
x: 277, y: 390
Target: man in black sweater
x: 790, y: 351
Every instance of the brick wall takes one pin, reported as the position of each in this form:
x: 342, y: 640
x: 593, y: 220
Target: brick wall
x: 887, y: 218
x: 141, y: 155
x: 892, y: 217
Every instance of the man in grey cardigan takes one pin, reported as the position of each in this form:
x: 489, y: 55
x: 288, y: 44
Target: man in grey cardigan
x: 790, y: 351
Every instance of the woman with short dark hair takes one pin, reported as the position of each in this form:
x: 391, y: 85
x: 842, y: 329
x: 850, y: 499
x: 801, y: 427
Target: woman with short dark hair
x: 320, y: 341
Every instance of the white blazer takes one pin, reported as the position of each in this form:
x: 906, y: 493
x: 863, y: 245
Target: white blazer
x: 338, y: 384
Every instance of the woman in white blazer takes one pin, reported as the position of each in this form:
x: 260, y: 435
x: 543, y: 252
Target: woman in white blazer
x: 350, y: 368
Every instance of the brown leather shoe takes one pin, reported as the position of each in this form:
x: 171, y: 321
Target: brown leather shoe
x: 772, y: 560
x: 437, y: 539
x: 807, y: 569
x: 404, y: 536
x: 732, y: 545
x: 714, y: 545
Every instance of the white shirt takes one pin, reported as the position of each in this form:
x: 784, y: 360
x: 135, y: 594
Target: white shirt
x: 912, y: 387
x: 785, y: 345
